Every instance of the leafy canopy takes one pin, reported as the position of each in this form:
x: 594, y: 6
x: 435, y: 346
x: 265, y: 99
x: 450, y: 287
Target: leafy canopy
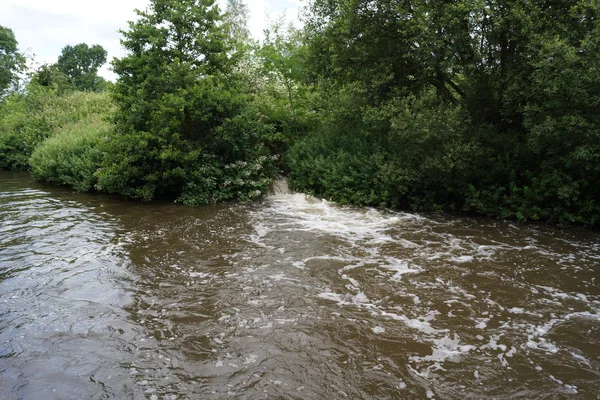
x: 185, y: 127
x: 11, y: 61
x: 80, y: 63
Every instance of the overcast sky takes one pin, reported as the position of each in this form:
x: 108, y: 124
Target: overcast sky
x: 44, y: 27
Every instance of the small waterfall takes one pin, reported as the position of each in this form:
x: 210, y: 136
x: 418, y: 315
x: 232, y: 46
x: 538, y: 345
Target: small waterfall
x: 281, y: 192
x: 280, y: 187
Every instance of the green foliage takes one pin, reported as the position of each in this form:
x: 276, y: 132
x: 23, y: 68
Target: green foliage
x: 546, y: 110
x: 237, y: 33
x: 514, y: 131
x: 186, y: 128
x: 72, y: 156
x: 406, y: 153
x: 14, y: 151
x: 80, y: 64
x: 284, y: 99
x: 212, y: 181
x: 144, y: 166
x: 11, y: 61
x: 27, y: 120
x: 50, y: 77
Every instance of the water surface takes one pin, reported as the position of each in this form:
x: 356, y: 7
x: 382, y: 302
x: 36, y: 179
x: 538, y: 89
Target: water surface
x: 291, y: 298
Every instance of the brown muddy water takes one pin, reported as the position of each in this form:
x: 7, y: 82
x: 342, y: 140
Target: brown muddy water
x: 290, y: 298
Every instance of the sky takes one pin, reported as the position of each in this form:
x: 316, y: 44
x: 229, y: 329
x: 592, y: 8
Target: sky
x: 44, y: 27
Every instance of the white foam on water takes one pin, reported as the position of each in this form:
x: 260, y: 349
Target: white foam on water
x: 536, y: 333
x: 251, y: 359
x: 363, y: 231
x: 201, y: 275
x: 358, y: 299
x: 570, y: 389
x: 399, y: 267
x: 260, y: 231
x: 557, y: 294
x: 420, y: 324
x: 445, y: 349
x: 354, y: 284
x: 580, y: 358
x: 511, y: 352
x: 482, y: 323
x: 307, y: 213
x: 493, y: 344
x: 462, y: 259
x: 372, y: 249
x: 299, y: 264
x: 378, y: 329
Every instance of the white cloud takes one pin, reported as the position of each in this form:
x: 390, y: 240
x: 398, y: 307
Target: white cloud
x: 44, y: 27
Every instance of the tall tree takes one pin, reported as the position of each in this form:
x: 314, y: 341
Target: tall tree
x: 236, y: 18
x: 281, y: 56
x: 240, y: 42
x: 175, y: 47
x: 180, y: 104
x: 81, y: 63
x: 11, y: 61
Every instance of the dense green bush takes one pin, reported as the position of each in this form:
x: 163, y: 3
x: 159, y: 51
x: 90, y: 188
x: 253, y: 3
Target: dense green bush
x: 26, y: 120
x: 407, y: 153
x: 72, y: 156
x: 418, y: 153
x: 491, y: 107
x: 211, y: 181
x: 233, y: 165
x: 14, y: 152
x: 187, y: 127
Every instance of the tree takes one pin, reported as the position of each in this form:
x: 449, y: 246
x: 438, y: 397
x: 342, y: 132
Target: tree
x: 183, y: 126
x: 11, y: 61
x: 236, y: 18
x: 509, y: 89
x: 80, y: 63
x: 48, y: 75
x: 176, y: 48
x: 282, y: 61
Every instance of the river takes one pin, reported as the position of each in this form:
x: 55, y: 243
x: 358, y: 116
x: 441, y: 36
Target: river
x: 289, y: 298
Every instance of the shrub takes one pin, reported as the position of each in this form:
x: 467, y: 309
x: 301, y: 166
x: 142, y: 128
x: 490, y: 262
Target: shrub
x: 71, y: 156
x: 407, y: 152
x: 27, y: 120
x: 242, y: 181
x: 13, y: 146
x: 233, y: 166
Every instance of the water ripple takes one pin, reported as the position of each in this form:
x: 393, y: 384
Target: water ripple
x: 293, y: 298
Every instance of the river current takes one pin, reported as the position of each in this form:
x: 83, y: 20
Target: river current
x: 288, y: 298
